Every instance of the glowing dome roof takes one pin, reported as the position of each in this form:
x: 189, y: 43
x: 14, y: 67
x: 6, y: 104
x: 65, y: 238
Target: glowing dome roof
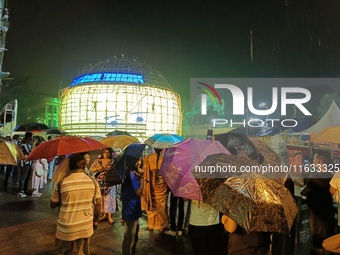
x: 121, y: 70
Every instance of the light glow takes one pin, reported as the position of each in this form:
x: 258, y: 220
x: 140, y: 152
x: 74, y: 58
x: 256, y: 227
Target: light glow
x: 96, y: 109
x: 108, y: 77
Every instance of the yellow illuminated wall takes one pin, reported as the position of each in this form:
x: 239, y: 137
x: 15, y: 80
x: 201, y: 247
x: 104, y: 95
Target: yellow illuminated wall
x: 142, y: 110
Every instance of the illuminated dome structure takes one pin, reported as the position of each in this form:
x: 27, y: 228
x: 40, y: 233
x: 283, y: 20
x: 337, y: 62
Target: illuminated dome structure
x: 121, y: 94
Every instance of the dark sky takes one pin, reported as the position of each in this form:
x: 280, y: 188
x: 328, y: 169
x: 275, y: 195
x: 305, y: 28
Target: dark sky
x: 52, y: 40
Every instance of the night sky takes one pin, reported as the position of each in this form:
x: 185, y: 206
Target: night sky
x: 52, y: 40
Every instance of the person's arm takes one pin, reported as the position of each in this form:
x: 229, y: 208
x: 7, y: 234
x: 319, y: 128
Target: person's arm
x: 139, y: 191
x: 96, y: 212
x: 53, y: 204
x: 332, y: 190
x: 229, y: 224
x: 96, y: 166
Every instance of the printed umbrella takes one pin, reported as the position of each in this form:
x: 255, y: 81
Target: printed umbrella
x: 162, y: 141
x: 31, y: 126
x: 118, y: 132
x: 268, y: 155
x: 124, y: 162
x: 255, y: 203
x: 10, y: 153
x: 180, y: 159
x: 64, y: 145
x: 119, y: 141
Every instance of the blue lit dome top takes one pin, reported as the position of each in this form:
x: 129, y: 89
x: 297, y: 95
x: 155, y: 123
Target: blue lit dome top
x: 121, y: 70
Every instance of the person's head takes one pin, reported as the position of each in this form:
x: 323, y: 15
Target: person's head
x: 28, y: 136
x: 8, y: 138
x: 16, y: 137
x: 77, y: 161
x: 87, y: 157
x: 322, y: 157
x: 258, y: 157
x: 232, y: 150
x: 107, y: 153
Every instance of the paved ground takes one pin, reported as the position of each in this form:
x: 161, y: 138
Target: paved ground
x: 27, y: 227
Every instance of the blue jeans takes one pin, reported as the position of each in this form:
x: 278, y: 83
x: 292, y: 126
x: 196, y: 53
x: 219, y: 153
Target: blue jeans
x: 24, y: 176
x: 50, y: 169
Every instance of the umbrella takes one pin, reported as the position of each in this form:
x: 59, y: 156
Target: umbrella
x: 180, y: 158
x: 64, y: 145
x: 264, y: 154
x: 118, y: 132
x: 162, y: 141
x: 255, y: 203
x: 54, y: 132
x: 126, y: 160
x: 31, y: 127
x: 223, y: 165
x: 10, y: 153
x: 119, y: 141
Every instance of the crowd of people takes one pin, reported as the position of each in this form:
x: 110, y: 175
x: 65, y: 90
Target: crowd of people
x: 84, y: 199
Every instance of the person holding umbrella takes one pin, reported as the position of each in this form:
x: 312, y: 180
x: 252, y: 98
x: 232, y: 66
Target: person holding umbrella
x: 132, y: 189
x: 242, y: 243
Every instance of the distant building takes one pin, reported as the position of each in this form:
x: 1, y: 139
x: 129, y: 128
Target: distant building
x: 120, y: 94
x: 46, y: 111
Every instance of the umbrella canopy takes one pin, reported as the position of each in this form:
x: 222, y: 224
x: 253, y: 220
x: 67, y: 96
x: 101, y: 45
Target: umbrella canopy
x: 54, y: 132
x: 10, y: 153
x: 263, y: 153
x: 64, y: 145
x: 182, y: 157
x: 31, y: 127
x: 118, y: 132
x: 255, y: 203
x: 124, y: 162
x: 119, y: 141
x: 162, y: 141
x: 329, y: 134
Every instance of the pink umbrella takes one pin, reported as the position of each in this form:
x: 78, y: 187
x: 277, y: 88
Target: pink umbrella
x: 183, y: 157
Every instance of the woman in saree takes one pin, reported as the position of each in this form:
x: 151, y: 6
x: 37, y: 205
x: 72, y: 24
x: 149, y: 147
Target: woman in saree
x: 155, y: 192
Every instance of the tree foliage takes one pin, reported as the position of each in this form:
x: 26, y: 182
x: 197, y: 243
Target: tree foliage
x: 19, y: 89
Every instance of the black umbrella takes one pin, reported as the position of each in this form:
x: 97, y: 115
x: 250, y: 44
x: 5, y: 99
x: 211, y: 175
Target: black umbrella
x: 54, y: 132
x: 118, y: 132
x: 31, y: 126
x: 124, y: 163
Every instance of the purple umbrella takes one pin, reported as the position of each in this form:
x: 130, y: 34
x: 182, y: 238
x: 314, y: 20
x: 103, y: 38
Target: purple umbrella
x: 183, y: 157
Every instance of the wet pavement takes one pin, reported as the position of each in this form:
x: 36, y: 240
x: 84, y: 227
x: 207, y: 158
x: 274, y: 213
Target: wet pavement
x: 27, y: 227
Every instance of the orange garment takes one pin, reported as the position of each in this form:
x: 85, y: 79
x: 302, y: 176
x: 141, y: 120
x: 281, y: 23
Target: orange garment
x: 155, y: 193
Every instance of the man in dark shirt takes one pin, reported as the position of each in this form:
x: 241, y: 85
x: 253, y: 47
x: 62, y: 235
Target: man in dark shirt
x: 25, y: 166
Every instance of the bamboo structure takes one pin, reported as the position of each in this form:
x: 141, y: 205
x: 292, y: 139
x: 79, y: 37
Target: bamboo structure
x: 120, y: 94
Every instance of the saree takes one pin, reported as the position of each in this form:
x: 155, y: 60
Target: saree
x: 155, y: 193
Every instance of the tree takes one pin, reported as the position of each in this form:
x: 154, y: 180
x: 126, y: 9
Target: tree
x: 326, y: 102
x: 19, y: 89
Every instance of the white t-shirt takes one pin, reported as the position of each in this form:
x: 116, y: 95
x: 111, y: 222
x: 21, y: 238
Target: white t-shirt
x: 203, y: 214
